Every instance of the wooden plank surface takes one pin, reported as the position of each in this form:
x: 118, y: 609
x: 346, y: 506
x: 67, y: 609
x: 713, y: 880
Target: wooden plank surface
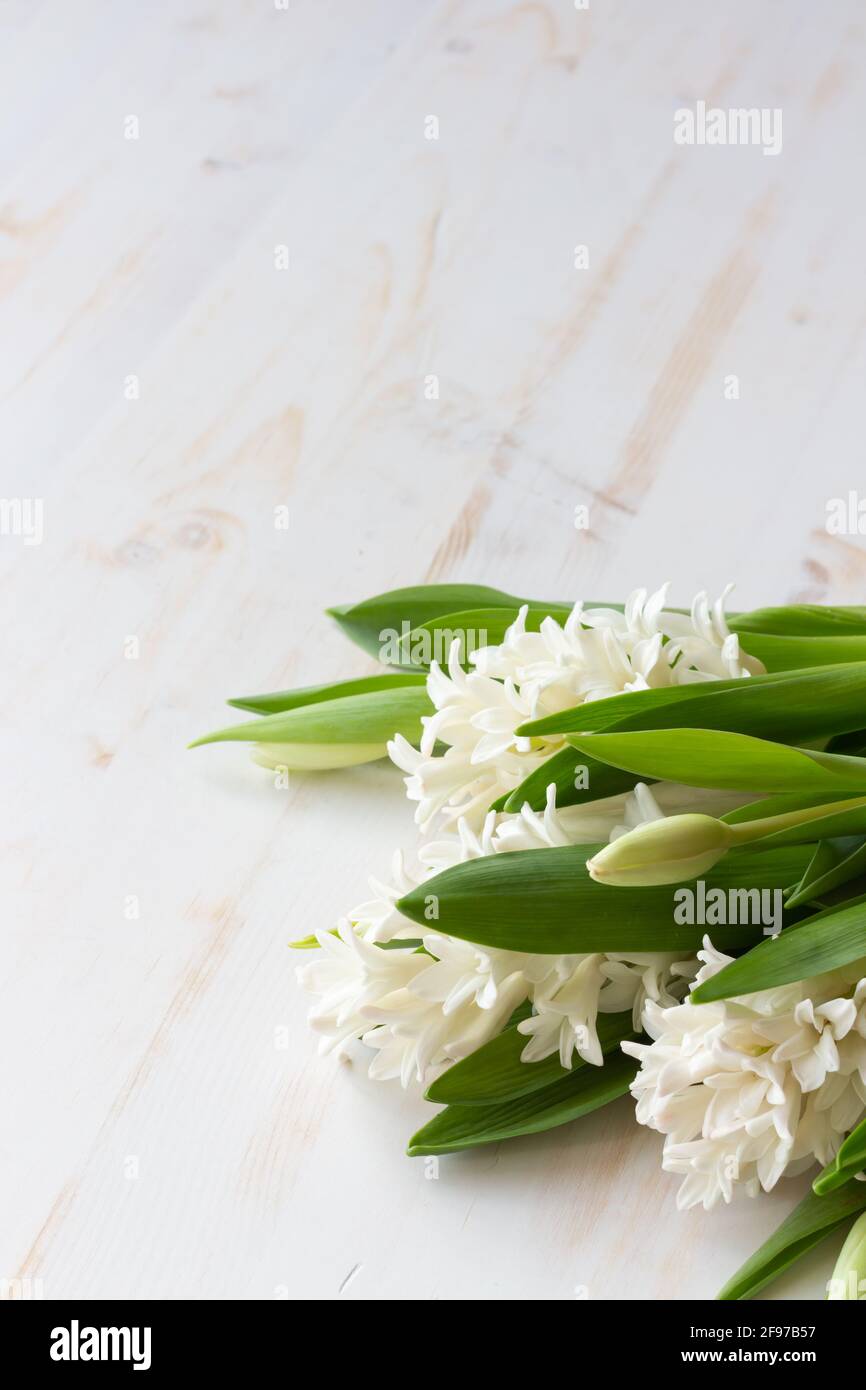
x: 158, y: 1138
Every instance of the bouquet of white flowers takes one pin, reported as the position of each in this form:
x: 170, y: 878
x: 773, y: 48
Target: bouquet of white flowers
x: 642, y: 866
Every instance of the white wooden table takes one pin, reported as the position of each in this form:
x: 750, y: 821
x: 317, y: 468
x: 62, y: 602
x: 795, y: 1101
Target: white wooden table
x: 165, y: 387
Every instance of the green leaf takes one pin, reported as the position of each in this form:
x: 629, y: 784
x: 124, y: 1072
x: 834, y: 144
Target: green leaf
x: 849, y: 1161
x: 802, y: 620
x: 544, y: 900
x: 826, y: 856
x: 824, y: 942
x: 308, y: 943
x: 403, y: 943
x: 601, y: 780
x: 400, y: 612
x: 808, y: 1224
x: 727, y: 761
x: 834, y: 862
x: 372, y: 718
x: 369, y: 622
x: 282, y: 700
x: 466, y: 1126
x: 364, y: 622
x: 785, y: 706
x: 749, y: 706
x: 796, y: 653
x: 495, y: 1072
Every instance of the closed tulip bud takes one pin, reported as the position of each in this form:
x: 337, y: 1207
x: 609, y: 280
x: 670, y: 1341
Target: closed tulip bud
x: 328, y: 733
x: 849, y: 1276
x: 316, y: 757
x: 663, y: 851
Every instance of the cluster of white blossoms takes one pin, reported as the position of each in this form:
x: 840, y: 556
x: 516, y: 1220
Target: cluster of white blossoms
x: 749, y: 1088
x: 744, y: 1090
x: 598, y: 652
x: 423, y: 1007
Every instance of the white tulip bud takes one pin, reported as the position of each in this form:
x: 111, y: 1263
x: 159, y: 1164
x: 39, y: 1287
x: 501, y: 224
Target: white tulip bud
x: 672, y: 850
x: 316, y: 757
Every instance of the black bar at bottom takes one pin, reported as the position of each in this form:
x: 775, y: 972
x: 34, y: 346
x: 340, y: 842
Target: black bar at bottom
x: 155, y: 1338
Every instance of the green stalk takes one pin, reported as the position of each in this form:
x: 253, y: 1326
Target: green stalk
x: 745, y: 832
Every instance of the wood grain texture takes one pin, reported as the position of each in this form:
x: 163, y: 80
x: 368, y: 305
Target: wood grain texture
x: 168, y: 1130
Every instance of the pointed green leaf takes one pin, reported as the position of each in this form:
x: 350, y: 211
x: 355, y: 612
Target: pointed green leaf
x: 370, y: 622
x: 848, y: 1163
x: 808, y: 1224
x: 786, y: 706
x: 562, y: 768
x: 466, y: 1126
x: 796, y: 653
x: 803, y: 620
x: 281, y: 700
x: 364, y: 622
x: 824, y: 942
x: 834, y: 863
x: 403, y: 943
x: 826, y: 856
x: 660, y: 707
x: 727, y: 761
x: 370, y: 718
x: 495, y: 1072
x: 544, y: 900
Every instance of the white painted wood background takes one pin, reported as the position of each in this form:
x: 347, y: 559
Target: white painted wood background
x: 265, y: 1172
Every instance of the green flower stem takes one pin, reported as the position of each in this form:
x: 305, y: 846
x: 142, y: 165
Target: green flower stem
x: 745, y: 832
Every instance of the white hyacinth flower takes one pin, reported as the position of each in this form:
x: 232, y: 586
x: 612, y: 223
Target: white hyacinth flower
x: 461, y: 996
x: 434, y: 1008
x: 750, y: 1088
x: 416, y: 1039
x: 565, y: 1015
x: 350, y: 975
x: 596, y: 653
x: 377, y: 919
